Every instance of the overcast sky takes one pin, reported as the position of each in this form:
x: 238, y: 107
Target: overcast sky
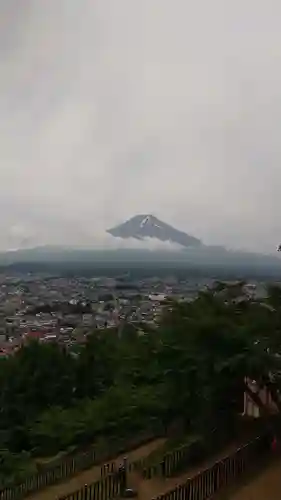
x: 110, y: 108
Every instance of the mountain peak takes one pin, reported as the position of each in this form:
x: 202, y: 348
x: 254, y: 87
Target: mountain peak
x: 148, y: 226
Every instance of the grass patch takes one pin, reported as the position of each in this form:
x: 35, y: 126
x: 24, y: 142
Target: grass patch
x: 47, y: 462
x: 156, y: 456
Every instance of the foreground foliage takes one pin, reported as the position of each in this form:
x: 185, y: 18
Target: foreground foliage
x: 193, y: 366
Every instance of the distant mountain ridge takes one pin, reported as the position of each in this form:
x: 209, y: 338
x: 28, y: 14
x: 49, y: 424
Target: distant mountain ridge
x: 203, y: 258
x: 189, y: 252
x: 148, y: 226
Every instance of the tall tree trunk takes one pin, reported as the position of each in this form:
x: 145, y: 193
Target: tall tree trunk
x: 256, y: 399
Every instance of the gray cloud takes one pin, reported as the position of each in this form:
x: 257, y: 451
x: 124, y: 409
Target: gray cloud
x: 112, y: 108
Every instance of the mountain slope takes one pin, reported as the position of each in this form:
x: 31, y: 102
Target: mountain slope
x: 148, y: 226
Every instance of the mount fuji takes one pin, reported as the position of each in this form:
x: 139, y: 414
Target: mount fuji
x: 143, y: 226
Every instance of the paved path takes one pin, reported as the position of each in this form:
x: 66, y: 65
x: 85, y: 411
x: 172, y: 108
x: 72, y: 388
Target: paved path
x: 93, y: 474
x: 267, y: 486
x: 149, y: 489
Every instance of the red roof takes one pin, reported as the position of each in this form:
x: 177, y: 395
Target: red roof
x: 34, y: 335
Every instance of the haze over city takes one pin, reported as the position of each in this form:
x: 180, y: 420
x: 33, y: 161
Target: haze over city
x: 113, y: 108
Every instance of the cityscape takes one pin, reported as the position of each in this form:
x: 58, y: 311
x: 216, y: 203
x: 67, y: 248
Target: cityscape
x: 66, y: 310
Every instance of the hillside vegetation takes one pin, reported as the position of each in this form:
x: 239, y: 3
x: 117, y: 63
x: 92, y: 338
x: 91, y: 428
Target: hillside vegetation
x: 193, y: 367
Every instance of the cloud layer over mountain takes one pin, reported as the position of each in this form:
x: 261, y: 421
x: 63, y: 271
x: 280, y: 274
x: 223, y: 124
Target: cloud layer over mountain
x: 111, y: 108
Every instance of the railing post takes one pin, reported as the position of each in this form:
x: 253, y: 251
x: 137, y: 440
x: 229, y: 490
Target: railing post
x: 85, y: 492
x: 123, y: 476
